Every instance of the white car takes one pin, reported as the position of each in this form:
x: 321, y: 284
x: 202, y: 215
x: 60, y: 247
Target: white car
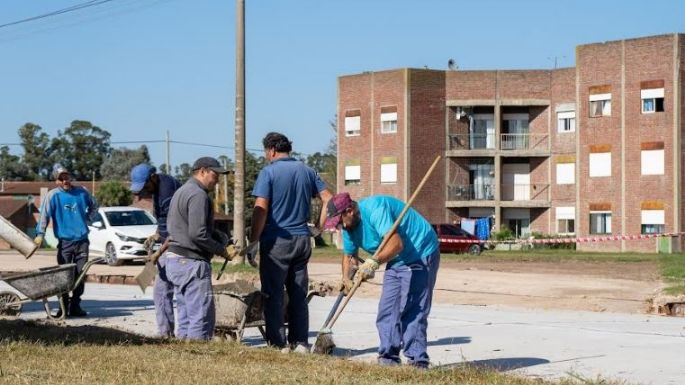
x: 118, y: 233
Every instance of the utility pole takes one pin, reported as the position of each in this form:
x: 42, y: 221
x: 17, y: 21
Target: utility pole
x: 225, y: 190
x: 168, y: 161
x: 239, y: 182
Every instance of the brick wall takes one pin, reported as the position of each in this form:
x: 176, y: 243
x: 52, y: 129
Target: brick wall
x: 427, y: 141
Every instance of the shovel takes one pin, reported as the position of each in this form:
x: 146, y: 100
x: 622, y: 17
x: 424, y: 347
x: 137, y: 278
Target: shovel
x: 324, y: 340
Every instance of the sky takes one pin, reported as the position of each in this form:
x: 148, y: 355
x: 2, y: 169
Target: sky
x: 138, y: 68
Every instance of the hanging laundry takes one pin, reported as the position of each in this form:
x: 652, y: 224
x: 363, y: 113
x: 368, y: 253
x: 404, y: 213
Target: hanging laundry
x: 483, y: 228
x: 468, y: 225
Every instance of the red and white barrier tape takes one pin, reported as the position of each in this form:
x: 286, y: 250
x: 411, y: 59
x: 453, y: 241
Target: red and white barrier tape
x: 566, y: 240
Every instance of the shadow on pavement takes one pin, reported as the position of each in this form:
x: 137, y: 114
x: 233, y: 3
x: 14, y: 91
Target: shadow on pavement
x: 440, y: 342
x: 49, y: 333
x: 498, y: 364
x: 95, y: 308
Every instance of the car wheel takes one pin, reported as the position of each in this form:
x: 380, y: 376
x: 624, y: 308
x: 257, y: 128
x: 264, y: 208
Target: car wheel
x: 111, y: 255
x: 9, y: 304
x: 474, y: 249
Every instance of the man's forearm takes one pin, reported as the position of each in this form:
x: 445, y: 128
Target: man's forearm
x: 393, y: 247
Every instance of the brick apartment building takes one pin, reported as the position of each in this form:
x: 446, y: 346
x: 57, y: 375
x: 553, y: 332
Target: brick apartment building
x: 587, y: 151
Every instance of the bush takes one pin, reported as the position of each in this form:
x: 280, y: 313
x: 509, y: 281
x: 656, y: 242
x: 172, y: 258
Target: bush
x: 552, y: 246
x: 505, y: 234
x: 113, y: 194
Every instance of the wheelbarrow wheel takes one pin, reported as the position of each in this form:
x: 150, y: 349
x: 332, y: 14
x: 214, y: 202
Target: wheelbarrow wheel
x: 10, y: 304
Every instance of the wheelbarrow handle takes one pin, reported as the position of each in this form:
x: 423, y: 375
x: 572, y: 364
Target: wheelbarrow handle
x: 86, y: 267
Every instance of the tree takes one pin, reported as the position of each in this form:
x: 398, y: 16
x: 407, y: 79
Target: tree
x: 120, y: 161
x: 82, y: 148
x: 10, y: 167
x: 36, y: 145
x: 183, y: 172
x: 113, y: 193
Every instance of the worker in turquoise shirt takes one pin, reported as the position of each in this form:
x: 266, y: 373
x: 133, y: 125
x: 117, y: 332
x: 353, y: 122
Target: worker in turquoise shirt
x: 70, y: 208
x: 412, y: 256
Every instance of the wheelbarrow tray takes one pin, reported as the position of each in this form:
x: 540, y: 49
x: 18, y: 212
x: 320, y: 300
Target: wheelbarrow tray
x: 238, y: 305
x: 44, y: 282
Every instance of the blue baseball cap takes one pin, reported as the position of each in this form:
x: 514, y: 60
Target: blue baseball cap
x: 139, y: 176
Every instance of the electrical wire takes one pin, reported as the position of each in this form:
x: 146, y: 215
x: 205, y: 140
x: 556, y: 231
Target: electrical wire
x: 73, y: 8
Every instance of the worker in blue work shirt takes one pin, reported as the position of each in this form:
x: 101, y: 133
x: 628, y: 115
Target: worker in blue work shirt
x: 412, y: 256
x: 283, y: 197
x: 70, y: 208
x: 144, y: 180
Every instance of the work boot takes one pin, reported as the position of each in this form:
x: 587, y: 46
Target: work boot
x: 301, y: 348
x: 76, y: 311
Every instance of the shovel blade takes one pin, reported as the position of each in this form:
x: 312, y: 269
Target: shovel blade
x: 147, y: 276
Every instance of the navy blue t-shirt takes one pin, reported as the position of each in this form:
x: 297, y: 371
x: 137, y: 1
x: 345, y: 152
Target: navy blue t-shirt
x: 289, y: 185
x: 162, y: 199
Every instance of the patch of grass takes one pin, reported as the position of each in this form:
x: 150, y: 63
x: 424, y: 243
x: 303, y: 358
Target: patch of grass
x: 244, y: 268
x: 552, y: 255
x: 673, y: 271
x: 34, y: 354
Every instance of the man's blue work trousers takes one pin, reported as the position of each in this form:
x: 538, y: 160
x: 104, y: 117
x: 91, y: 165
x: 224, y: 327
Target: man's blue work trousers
x: 403, y: 311
x: 192, y: 280
x: 163, y: 296
x: 283, y: 262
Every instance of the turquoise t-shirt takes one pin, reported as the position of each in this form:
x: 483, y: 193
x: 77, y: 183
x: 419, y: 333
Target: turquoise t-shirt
x: 378, y: 213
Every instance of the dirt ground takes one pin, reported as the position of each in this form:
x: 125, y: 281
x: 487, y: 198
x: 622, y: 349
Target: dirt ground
x: 626, y: 287
x: 573, y: 285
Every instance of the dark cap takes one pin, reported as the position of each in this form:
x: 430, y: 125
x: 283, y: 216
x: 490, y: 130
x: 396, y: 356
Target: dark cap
x: 57, y: 170
x: 339, y: 203
x: 210, y: 163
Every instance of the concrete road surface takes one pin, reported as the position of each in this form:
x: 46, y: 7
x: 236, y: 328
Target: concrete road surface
x: 551, y: 344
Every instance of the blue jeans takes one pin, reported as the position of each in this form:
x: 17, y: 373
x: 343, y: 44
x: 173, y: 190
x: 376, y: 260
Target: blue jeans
x: 192, y: 280
x: 405, y: 303
x: 283, y: 262
x: 163, y: 296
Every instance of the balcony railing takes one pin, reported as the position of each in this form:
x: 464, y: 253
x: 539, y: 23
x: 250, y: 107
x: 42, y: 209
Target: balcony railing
x: 525, y: 192
x: 472, y: 141
x: 470, y: 192
x: 525, y: 142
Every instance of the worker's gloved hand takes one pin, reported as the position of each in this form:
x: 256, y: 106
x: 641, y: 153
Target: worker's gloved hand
x: 367, y: 270
x: 344, y: 286
x: 230, y: 252
x: 251, y: 253
x: 154, y: 257
x: 38, y: 241
x: 150, y: 241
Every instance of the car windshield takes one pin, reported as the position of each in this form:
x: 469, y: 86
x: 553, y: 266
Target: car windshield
x: 451, y: 230
x: 129, y: 218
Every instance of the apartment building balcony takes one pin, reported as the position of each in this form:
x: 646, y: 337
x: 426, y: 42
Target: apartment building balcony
x: 471, y: 195
x: 525, y: 144
x: 471, y: 144
x: 525, y: 195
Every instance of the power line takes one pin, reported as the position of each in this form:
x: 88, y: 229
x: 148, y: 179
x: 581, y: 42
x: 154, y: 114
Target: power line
x: 73, y: 8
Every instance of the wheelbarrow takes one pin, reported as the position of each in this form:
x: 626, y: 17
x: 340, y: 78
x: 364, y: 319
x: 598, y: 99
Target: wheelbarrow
x: 41, y: 285
x: 240, y: 305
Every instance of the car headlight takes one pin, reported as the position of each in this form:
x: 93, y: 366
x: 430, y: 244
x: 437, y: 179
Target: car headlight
x: 126, y: 238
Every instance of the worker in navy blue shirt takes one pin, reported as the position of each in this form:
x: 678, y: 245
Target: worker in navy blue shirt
x: 284, y: 190
x: 144, y: 180
x: 70, y: 208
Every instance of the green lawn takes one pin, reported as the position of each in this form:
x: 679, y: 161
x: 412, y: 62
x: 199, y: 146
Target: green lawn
x: 35, y: 353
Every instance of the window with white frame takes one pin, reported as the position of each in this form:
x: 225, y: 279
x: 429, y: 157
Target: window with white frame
x: 352, y: 173
x: 566, y: 220
x: 600, y: 105
x: 388, y: 120
x: 600, y: 222
x: 600, y: 164
x: 652, y: 100
x: 652, y: 222
x: 566, y: 173
x: 353, y: 123
x: 652, y: 162
x: 389, y: 170
x: 566, y: 121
